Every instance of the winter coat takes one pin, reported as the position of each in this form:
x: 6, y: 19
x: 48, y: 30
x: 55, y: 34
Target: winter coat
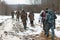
x: 31, y: 16
x: 17, y: 14
x: 51, y: 18
x: 23, y: 16
x: 12, y: 13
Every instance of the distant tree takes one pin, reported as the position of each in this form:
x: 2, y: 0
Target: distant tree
x: 4, y: 7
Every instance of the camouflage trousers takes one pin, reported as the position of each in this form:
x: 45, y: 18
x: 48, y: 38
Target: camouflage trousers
x: 47, y: 27
x: 31, y: 22
x: 24, y: 24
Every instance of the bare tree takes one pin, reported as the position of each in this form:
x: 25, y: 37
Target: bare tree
x: 4, y: 7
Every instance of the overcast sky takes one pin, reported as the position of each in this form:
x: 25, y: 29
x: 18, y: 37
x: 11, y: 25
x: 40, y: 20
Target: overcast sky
x: 18, y: 1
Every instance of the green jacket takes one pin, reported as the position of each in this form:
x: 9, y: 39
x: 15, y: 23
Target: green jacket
x: 51, y: 16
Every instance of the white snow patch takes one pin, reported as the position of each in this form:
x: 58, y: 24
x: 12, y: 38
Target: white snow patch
x: 57, y: 33
x: 31, y: 30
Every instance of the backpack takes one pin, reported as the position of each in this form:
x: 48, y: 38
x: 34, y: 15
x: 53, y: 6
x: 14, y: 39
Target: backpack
x: 43, y: 16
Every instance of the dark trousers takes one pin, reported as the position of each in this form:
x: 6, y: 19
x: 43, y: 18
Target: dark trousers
x: 31, y: 22
x: 17, y: 18
x: 12, y: 16
x: 50, y: 26
x: 44, y: 26
x: 24, y: 24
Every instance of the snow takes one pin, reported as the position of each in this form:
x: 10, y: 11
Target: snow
x: 8, y: 27
x: 57, y: 33
x: 58, y: 21
x: 9, y: 37
x: 3, y: 18
x: 10, y: 23
x: 37, y: 18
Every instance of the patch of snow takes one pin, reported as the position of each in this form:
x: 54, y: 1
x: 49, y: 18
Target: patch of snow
x: 57, y: 33
x: 8, y: 26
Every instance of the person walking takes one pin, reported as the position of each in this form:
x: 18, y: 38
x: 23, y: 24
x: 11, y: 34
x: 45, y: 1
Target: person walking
x: 31, y: 17
x: 24, y: 18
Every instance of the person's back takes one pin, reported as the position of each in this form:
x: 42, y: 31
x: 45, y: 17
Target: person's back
x: 51, y: 17
x: 50, y: 21
x: 24, y: 18
x: 43, y: 15
x: 23, y: 15
x: 18, y: 14
x: 12, y: 14
x: 31, y: 16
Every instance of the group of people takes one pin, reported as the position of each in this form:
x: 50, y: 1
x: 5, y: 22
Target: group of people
x: 23, y: 16
x: 48, y: 20
x: 17, y: 14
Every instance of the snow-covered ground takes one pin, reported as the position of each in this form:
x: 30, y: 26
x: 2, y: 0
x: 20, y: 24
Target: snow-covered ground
x: 3, y: 18
x: 13, y: 26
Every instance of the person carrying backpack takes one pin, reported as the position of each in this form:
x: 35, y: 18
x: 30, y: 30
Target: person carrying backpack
x: 43, y: 15
x: 31, y: 17
x: 50, y: 21
x: 24, y: 18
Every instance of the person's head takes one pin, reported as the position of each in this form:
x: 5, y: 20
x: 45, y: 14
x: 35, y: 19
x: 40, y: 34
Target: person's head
x: 23, y: 10
x: 46, y: 11
x: 46, y: 8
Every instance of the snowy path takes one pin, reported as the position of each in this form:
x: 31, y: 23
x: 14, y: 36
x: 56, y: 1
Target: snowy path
x: 9, y: 24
